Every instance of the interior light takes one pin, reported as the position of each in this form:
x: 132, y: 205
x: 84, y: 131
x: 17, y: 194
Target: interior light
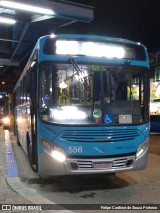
x: 26, y: 7
x: 7, y: 20
x: 63, y: 85
x: 155, y: 83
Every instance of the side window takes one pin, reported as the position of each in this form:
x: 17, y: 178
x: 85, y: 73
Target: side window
x: 135, y: 89
x: 46, y: 88
x: 29, y: 81
x: 18, y: 95
x: 24, y: 90
x: 21, y: 93
x: 27, y: 84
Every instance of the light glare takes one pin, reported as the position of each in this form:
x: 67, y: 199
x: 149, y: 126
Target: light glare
x: 68, y: 113
x: 19, y: 120
x: 33, y: 63
x: 7, y: 20
x: 81, y: 76
x: 52, y: 35
x: 26, y: 7
x: 6, y: 120
x: 67, y: 47
x: 58, y: 156
x: 63, y: 85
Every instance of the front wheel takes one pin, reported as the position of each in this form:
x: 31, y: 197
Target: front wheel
x: 18, y: 143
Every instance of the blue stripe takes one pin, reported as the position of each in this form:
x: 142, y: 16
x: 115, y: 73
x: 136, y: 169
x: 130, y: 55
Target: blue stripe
x: 11, y: 165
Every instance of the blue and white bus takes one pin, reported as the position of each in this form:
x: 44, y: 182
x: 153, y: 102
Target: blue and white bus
x: 82, y: 105
x: 4, y: 110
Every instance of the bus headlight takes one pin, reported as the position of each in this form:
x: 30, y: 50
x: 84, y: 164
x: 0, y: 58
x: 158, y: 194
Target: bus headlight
x: 55, y: 151
x: 6, y: 120
x: 142, y: 148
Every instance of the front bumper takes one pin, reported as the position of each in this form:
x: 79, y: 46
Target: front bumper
x: 75, y: 166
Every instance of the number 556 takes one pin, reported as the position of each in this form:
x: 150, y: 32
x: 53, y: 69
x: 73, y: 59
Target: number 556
x: 75, y: 149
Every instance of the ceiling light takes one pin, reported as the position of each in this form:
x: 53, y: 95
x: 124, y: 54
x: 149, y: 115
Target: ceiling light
x: 26, y: 7
x: 33, y: 63
x: 52, y: 35
x: 7, y: 20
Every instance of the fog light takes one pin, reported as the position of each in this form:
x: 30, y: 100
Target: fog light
x: 74, y: 165
x: 129, y: 162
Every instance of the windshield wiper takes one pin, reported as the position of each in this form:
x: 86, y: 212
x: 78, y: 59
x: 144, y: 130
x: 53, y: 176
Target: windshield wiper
x: 79, y: 72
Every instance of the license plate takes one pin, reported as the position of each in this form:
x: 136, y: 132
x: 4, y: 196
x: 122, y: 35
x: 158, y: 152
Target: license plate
x: 102, y: 165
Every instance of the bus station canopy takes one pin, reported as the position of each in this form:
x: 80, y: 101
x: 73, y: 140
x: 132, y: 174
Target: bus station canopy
x: 22, y: 22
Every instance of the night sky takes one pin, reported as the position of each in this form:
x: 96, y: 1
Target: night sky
x: 137, y: 20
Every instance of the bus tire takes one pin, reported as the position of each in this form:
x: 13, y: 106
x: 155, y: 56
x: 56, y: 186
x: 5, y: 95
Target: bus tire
x: 18, y: 143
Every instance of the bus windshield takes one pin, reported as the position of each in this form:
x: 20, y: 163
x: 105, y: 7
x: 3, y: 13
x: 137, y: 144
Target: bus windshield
x: 79, y: 93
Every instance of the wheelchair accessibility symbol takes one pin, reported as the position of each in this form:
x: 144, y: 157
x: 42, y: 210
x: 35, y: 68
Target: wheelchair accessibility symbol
x: 108, y: 118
